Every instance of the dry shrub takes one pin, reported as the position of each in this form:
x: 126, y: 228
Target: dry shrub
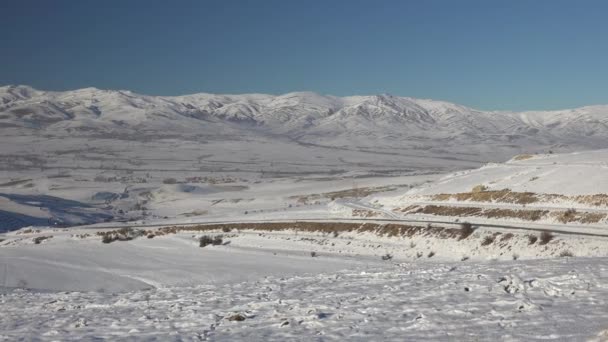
x: 506, y: 237
x: 237, y: 318
x: 39, y: 239
x: 443, y: 210
x: 528, y: 215
x: 206, y: 240
x: 466, y: 229
x: 479, y: 188
x: 107, y: 238
x: 329, y: 228
x: 504, y: 195
x: 532, y: 239
x: 596, y: 199
x: 566, y: 254
x: 488, y: 240
x: 545, y: 237
x: 508, y: 196
x: 567, y: 216
x: 571, y: 215
x: 448, y: 211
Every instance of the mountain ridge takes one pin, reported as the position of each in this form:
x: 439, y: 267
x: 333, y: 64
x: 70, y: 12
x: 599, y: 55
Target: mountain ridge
x: 382, y: 121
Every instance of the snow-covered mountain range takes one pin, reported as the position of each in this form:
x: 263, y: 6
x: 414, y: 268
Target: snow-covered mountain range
x: 364, y: 121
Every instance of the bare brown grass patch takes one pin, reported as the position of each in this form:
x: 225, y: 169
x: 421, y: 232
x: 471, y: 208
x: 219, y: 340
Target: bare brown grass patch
x: 523, y: 157
x: 504, y: 196
x: 572, y: 215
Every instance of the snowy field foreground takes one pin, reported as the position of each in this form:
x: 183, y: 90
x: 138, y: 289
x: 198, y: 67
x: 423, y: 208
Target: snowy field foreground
x: 560, y: 299
x: 268, y: 285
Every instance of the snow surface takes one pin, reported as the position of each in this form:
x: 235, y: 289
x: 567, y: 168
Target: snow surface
x: 578, y: 173
x: 167, y: 288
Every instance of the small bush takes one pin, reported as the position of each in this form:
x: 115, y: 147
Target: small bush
x: 515, y: 256
x: 419, y: 255
x: 532, y: 239
x: 387, y: 256
x: 169, y: 181
x: 568, y: 216
x: 313, y: 254
x: 479, y: 188
x: 226, y: 229
x: 464, y: 258
x: 108, y: 238
x: 488, y: 240
x: 207, y: 240
x: 39, y: 239
x: 506, y: 237
x: 431, y: 254
x: 566, y: 254
x: 545, y: 237
x: 466, y: 229
x: 412, y: 244
x: 150, y: 236
x: 237, y: 318
x: 336, y: 233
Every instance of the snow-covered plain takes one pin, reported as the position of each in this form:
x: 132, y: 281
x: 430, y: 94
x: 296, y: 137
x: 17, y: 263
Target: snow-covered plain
x: 516, y: 301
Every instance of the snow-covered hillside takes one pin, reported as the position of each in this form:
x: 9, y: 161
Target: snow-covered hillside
x: 552, y: 191
x: 577, y: 173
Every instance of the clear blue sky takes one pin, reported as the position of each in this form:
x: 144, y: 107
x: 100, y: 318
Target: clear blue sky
x: 532, y: 54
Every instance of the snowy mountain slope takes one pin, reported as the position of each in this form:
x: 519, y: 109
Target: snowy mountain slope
x: 549, y: 191
x: 577, y: 173
x: 308, y: 117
